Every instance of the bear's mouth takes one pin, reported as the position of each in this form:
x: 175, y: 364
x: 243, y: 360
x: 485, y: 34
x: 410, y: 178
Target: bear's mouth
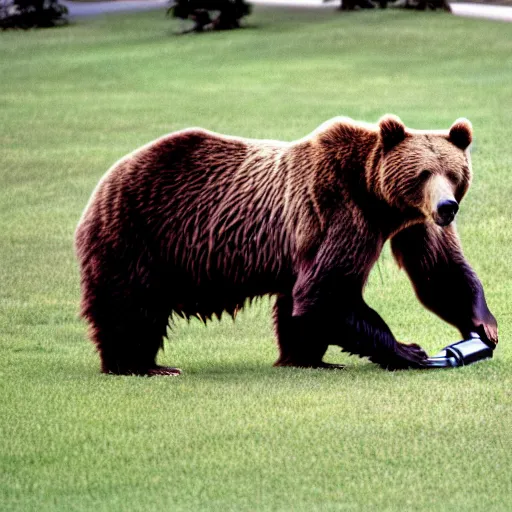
x: 443, y: 222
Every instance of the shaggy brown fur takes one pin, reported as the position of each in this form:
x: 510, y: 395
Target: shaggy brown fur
x: 195, y: 223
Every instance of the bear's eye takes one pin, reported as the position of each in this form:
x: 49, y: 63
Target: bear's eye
x: 424, y: 176
x: 453, y: 177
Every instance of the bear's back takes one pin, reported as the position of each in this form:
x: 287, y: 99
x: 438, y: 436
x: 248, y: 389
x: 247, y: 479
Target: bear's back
x: 210, y: 208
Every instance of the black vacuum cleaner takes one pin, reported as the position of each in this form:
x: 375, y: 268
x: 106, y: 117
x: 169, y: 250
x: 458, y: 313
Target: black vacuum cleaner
x: 462, y: 353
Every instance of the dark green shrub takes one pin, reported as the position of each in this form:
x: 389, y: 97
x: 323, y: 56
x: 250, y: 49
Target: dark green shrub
x: 229, y: 13
x: 31, y: 13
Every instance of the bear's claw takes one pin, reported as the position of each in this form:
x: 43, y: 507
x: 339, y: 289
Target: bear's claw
x: 144, y: 372
x: 164, y: 370
x: 406, y: 356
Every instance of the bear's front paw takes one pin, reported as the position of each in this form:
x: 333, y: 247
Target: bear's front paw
x: 406, y: 356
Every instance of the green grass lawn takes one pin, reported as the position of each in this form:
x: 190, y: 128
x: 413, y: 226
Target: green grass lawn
x: 233, y: 433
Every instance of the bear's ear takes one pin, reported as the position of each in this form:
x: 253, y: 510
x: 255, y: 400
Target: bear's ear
x: 461, y: 133
x: 392, y: 131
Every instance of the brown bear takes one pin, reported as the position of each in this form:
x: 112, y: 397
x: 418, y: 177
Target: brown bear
x: 195, y: 223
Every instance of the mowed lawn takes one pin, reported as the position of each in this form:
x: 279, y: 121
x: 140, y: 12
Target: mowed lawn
x: 233, y: 433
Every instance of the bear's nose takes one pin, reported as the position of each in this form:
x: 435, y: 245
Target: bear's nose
x: 446, y: 211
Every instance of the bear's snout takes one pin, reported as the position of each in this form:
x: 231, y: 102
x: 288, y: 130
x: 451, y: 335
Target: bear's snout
x: 446, y: 211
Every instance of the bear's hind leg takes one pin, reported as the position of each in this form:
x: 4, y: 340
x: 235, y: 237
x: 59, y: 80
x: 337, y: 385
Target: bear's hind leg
x: 297, y: 348
x: 127, y: 336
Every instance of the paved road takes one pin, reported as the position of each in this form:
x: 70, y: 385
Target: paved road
x: 494, y: 12
x: 77, y: 9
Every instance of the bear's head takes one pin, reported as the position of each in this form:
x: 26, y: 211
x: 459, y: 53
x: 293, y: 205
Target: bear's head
x: 426, y: 173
